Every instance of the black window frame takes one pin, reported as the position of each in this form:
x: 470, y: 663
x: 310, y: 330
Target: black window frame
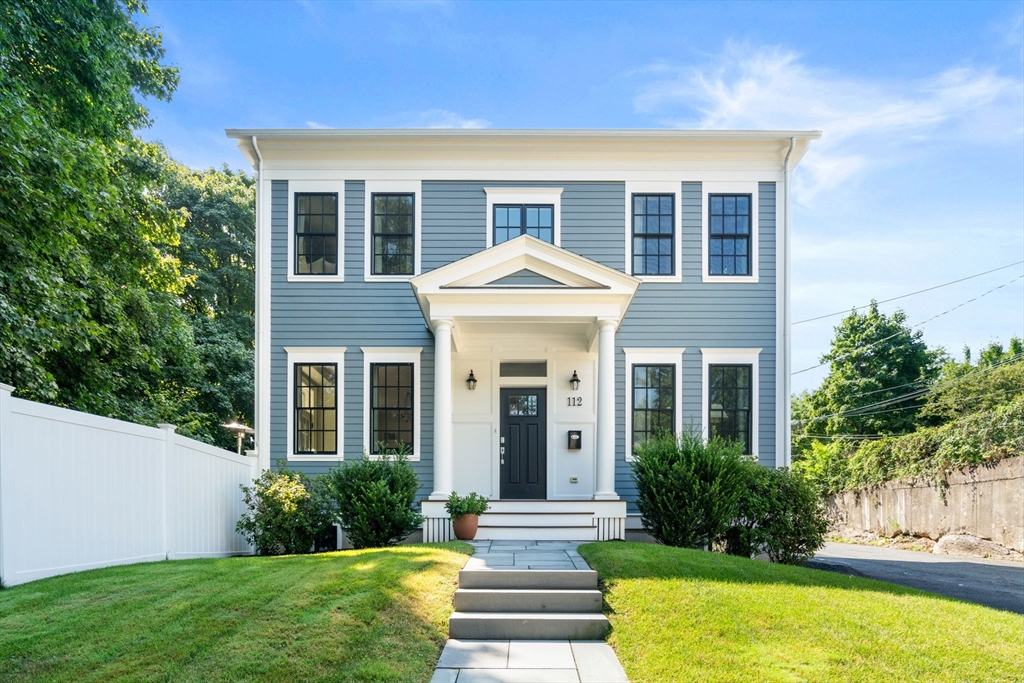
x: 374, y: 410
x: 732, y: 239
x: 633, y: 404
x: 749, y: 410
x: 522, y: 228
x: 388, y: 236
x: 298, y: 235
x: 298, y: 408
x: 644, y: 236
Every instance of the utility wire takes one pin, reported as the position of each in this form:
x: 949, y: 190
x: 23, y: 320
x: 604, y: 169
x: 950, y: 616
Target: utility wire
x: 904, y: 296
x: 986, y: 368
x: 855, y: 412
x: 876, y: 343
x: 893, y: 410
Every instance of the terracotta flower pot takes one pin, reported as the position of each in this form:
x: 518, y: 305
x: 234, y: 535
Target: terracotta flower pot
x: 465, y: 527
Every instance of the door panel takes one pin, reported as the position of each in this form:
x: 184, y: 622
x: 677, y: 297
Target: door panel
x: 524, y: 439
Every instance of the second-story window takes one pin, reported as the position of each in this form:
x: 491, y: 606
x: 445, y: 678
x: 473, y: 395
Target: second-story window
x: 729, y: 234
x: 316, y: 233
x: 394, y: 234
x: 513, y: 220
x: 653, y: 233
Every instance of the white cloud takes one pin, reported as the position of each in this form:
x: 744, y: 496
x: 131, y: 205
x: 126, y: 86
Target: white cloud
x: 442, y: 118
x: 863, y: 119
x: 315, y: 124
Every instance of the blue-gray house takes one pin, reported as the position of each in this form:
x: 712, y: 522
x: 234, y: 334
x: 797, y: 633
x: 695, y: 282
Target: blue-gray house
x: 518, y: 308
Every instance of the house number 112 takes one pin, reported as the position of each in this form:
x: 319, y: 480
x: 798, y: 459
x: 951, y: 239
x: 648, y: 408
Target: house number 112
x: 575, y: 401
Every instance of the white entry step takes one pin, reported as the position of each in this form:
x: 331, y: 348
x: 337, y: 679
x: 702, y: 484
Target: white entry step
x: 567, y: 520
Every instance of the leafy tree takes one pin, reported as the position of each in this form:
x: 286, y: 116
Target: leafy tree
x: 876, y: 362
x: 965, y: 388
x: 88, y: 285
x: 216, y: 252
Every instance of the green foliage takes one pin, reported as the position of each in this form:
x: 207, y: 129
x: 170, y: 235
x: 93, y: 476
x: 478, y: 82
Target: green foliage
x: 931, y: 452
x: 374, y: 498
x: 687, y: 489
x: 286, y: 512
x: 779, y: 514
x: 216, y: 252
x: 963, y: 388
x: 473, y: 504
x: 872, y: 360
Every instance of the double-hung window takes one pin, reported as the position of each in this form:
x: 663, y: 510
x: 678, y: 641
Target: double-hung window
x: 391, y: 406
x: 653, y: 234
x: 315, y: 405
x: 393, y: 234
x: 316, y: 233
x: 730, y: 400
x: 729, y: 234
x: 653, y: 406
x: 513, y: 220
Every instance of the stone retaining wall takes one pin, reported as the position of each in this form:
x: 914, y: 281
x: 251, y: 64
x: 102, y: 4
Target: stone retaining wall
x: 984, y: 501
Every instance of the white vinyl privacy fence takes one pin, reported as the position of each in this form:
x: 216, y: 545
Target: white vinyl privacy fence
x: 79, y: 491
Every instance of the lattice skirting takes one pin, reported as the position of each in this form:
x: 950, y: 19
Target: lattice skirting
x: 610, y: 528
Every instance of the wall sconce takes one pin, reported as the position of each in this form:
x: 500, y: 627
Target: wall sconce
x: 471, y: 381
x: 574, y: 382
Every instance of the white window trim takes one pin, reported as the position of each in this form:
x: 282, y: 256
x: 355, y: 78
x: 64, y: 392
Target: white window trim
x: 337, y: 186
x: 393, y: 355
x: 334, y: 354
x: 750, y: 357
x: 652, y: 357
x: 524, y: 195
x: 413, y: 187
x: 729, y: 187
x: 658, y: 187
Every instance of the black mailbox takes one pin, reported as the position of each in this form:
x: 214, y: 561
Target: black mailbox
x: 575, y: 440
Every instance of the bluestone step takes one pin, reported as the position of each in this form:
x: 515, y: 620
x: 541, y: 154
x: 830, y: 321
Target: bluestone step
x: 503, y: 600
x: 529, y: 579
x: 526, y: 626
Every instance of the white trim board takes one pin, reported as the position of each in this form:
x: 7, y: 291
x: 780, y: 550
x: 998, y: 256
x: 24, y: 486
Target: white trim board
x: 752, y: 357
x: 296, y: 186
x: 413, y: 187
x: 673, y: 188
x: 524, y: 195
x: 316, y: 355
x: 652, y: 357
x: 729, y: 187
x: 394, y: 355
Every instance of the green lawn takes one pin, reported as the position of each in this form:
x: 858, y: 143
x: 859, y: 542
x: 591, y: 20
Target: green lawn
x: 687, y: 615
x: 358, y: 615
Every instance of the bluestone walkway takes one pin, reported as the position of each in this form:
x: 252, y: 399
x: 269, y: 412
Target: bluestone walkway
x: 527, y: 661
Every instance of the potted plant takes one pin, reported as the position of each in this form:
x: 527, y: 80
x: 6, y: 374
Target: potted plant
x: 465, y: 513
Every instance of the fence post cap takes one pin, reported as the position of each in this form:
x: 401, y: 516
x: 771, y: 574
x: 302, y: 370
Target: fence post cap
x: 252, y: 452
x: 6, y: 387
x: 168, y: 427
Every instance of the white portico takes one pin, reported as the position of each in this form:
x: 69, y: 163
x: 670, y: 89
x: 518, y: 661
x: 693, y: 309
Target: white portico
x: 525, y: 317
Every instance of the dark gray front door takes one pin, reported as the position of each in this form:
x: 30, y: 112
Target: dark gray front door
x: 524, y: 461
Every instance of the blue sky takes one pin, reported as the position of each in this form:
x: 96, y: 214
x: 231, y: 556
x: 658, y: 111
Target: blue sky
x: 917, y: 180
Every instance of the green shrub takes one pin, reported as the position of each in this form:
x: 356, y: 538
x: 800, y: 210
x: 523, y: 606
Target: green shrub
x: 473, y: 504
x: 780, y: 514
x: 286, y: 512
x: 374, y: 499
x: 687, y: 489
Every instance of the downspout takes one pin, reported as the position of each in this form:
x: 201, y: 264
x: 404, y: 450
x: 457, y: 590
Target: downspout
x: 786, y: 319
x: 262, y: 444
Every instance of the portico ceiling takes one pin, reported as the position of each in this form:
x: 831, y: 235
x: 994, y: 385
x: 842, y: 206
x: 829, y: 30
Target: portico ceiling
x: 573, y: 295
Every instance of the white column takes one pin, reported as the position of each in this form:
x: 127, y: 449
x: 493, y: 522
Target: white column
x: 442, y: 410
x: 165, y: 499
x: 606, y: 412
x: 6, y: 487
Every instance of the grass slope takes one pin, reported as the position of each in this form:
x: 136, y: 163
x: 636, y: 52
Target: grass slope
x: 361, y: 615
x: 687, y: 615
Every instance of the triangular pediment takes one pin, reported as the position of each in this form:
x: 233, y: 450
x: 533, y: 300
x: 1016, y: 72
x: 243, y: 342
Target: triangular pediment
x: 525, y: 262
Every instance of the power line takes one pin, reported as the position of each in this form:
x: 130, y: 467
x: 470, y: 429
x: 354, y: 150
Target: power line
x: 904, y: 296
x: 854, y: 412
x: 986, y: 368
x: 876, y: 343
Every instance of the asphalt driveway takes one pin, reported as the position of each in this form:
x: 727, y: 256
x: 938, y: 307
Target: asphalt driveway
x: 995, y: 583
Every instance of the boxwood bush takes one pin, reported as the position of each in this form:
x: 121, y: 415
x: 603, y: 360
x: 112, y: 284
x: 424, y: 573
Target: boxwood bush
x: 374, y: 499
